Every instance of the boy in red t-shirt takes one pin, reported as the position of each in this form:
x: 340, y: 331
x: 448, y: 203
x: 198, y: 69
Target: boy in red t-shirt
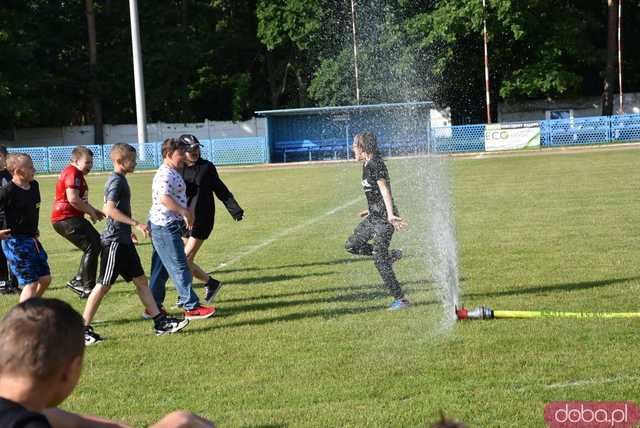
x: 69, y: 208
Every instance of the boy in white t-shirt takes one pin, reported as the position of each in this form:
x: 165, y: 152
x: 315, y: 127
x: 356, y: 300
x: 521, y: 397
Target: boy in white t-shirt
x: 168, y: 217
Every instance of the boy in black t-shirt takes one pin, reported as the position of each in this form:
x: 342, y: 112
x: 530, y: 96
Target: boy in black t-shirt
x: 119, y: 255
x: 381, y: 219
x: 8, y: 283
x: 20, y: 200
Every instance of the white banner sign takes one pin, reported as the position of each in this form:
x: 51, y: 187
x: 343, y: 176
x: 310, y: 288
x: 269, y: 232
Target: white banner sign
x: 512, y: 136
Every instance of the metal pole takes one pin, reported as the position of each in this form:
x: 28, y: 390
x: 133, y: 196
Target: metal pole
x: 141, y: 113
x: 621, y: 111
x: 486, y: 61
x: 355, y: 50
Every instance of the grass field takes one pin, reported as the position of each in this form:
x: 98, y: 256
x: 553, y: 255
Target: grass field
x: 301, y: 337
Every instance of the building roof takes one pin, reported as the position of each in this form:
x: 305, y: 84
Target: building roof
x: 344, y: 109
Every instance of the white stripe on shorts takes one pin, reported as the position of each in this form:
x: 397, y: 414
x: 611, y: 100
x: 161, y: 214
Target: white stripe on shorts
x: 111, y: 262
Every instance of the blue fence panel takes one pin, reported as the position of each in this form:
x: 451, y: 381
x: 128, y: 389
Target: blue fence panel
x: 233, y: 151
x: 59, y: 157
x: 457, y: 139
x: 39, y: 156
x: 625, y: 128
x: 146, y: 160
x: 569, y: 132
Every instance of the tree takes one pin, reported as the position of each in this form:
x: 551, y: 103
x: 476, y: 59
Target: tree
x: 612, y: 50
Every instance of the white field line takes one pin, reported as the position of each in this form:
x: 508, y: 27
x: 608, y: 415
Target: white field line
x: 281, y: 234
x: 586, y: 382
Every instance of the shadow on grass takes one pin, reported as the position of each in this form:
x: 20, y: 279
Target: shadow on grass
x: 342, y: 261
x: 555, y: 288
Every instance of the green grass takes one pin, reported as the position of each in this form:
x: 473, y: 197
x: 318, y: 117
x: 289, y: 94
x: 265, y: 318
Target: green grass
x: 301, y: 337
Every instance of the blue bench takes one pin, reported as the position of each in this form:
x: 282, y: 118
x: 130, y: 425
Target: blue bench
x: 311, y: 146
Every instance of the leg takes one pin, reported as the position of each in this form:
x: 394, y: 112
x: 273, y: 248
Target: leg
x: 381, y: 241
x: 169, y: 248
x: 93, y: 302
x: 159, y: 277
x: 144, y: 293
x: 191, y: 247
x: 43, y: 283
x: 29, y: 291
x: 84, y: 236
x: 358, y: 242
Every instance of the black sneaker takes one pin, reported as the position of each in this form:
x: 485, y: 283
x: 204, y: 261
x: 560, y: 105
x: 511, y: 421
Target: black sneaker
x: 7, y: 288
x: 167, y: 325
x: 395, y: 255
x: 76, y: 286
x: 211, y: 289
x: 90, y: 336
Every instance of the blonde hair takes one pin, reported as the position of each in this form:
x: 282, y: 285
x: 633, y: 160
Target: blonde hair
x: 80, y: 152
x: 121, y: 151
x: 16, y: 160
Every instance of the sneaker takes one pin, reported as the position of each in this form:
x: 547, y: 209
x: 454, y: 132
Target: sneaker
x: 90, y: 336
x: 399, y: 304
x: 211, y: 289
x: 147, y: 316
x: 166, y: 325
x: 178, y: 304
x: 76, y: 286
x: 200, y: 313
x: 395, y: 255
x: 7, y: 288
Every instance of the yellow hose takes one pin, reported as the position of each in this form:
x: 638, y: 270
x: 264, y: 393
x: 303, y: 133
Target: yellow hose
x: 557, y: 314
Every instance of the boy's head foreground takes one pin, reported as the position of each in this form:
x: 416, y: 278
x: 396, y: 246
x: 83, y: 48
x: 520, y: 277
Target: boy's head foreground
x: 124, y: 157
x: 41, y: 349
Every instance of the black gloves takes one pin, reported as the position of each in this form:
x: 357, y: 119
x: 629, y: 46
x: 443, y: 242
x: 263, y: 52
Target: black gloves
x: 234, y: 209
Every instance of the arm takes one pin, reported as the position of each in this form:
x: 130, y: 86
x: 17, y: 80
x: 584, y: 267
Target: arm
x: 73, y: 196
x: 61, y: 419
x: 113, y: 212
x: 172, y: 205
x: 396, y: 221
x: 182, y: 419
x: 222, y: 193
x: 5, y: 233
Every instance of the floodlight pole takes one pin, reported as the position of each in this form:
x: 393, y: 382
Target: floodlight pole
x: 141, y: 113
x: 486, y: 60
x: 621, y: 110
x: 355, y: 50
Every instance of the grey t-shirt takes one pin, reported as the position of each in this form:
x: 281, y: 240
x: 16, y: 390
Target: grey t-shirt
x: 116, y: 189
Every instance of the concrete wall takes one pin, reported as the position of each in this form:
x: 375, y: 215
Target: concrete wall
x: 536, y: 110
x: 84, y: 135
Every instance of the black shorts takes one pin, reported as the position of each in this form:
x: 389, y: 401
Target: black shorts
x: 200, y: 231
x: 119, y: 259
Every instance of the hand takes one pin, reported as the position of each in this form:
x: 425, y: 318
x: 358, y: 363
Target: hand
x: 364, y: 213
x: 5, y: 234
x: 93, y: 215
x: 142, y: 228
x: 188, y: 218
x: 100, y: 215
x: 239, y: 215
x: 397, y: 222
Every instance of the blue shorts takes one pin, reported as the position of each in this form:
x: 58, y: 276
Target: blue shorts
x: 27, y: 259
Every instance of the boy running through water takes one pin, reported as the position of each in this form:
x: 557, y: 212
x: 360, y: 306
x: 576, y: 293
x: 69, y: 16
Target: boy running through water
x: 119, y: 255
x: 20, y: 200
x: 380, y: 220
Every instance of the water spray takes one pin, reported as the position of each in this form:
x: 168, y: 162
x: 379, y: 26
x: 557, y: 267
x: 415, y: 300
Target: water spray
x: 485, y: 313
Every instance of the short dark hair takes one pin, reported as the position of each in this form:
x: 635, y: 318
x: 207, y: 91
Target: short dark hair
x: 39, y: 337
x: 367, y: 142
x: 79, y: 152
x: 170, y: 145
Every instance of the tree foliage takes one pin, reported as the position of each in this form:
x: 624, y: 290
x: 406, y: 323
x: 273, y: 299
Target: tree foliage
x: 223, y: 59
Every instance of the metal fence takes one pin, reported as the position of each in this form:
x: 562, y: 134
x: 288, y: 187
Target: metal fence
x: 553, y: 133
x: 233, y: 151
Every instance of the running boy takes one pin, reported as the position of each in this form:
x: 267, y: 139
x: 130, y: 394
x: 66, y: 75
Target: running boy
x: 8, y: 283
x: 70, y: 206
x: 381, y: 219
x: 40, y: 365
x: 20, y: 200
x: 119, y: 255
x: 202, y: 180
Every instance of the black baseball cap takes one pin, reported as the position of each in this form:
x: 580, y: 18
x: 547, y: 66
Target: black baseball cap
x: 190, y: 141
